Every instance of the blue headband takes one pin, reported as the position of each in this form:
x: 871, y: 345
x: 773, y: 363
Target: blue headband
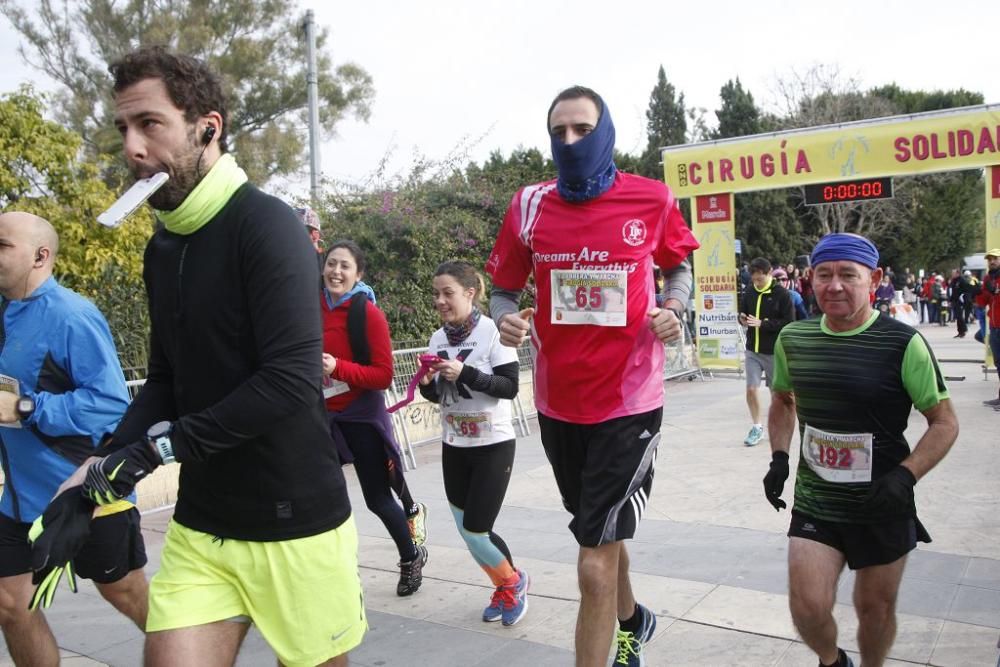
x: 586, y: 168
x: 849, y: 247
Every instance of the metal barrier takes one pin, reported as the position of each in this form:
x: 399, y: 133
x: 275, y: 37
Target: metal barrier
x: 681, y: 358
x: 133, y: 387
x: 420, y: 421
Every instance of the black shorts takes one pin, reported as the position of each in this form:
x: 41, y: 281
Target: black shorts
x: 114, y: 549
x: 864, y: 545
x: 604, y: 472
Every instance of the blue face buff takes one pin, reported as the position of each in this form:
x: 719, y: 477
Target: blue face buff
x: 586, y: 168
x: 846, y: 247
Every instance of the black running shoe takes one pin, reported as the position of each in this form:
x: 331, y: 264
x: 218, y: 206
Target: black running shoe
x: 411, y: 573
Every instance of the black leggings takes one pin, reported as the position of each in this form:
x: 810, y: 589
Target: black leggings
x: 372, y: 466
x: 475, y: 481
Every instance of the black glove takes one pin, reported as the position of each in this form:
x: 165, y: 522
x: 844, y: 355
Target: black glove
x: 774, y: 480
x: 114, y: 477
x: 56, y: 538
x: 891, y: 494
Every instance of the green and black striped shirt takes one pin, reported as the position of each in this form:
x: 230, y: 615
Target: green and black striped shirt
x: 862, y: 381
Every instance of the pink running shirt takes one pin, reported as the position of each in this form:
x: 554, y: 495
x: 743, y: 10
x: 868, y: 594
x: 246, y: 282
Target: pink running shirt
x: 589, y: 373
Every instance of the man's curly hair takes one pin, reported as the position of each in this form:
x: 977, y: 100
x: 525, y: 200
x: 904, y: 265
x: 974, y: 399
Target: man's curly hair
x: 194, y: 88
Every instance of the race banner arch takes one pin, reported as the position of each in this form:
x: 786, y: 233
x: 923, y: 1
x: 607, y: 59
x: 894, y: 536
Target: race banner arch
x: 710, y: 172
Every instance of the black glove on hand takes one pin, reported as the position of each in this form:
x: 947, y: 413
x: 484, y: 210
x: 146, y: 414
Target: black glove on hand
x: 774, y: 480
x: 56, y: 538
x: 891, y: 494
x: 114, y: 477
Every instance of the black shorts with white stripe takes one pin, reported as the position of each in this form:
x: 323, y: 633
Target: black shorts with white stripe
x: 604, y: 472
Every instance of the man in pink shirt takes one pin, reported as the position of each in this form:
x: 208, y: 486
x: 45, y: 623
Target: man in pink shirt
x: 591, y: 239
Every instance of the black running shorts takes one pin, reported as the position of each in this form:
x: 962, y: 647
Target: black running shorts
x: 604, y: 472
x: 114, y: 549
x: 863, y: 545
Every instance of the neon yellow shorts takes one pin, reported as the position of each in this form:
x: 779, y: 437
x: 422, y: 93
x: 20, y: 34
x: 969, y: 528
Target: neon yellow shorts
x: 304, y: 595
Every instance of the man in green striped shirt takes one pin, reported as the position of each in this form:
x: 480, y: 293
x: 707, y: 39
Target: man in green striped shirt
x: 852, y: 378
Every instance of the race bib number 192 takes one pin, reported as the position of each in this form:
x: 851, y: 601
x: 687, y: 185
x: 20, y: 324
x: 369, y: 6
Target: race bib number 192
x: 838, y: 457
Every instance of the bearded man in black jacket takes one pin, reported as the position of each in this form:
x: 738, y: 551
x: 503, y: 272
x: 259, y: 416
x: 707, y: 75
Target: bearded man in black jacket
x: 262, y: 531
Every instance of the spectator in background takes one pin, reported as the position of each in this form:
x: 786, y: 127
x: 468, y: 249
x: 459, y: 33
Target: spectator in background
x: 795, y: 280
x: 801, y: 313
x: 939, y: 299
x: 890, y: 274
x: 744, y: 277
x: 971, y: 290
x: 958, y: 288
x: 884, y: 294
x: 311, y: 221
x: 910, y: 293
x: 989, y: 297
x: 806, y: 290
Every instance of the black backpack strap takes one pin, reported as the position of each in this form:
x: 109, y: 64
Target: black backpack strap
x: 357, y: 324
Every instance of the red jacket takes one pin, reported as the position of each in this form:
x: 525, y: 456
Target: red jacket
x: 989, y: 296
x: 376, y: 376
x: 927, y: 289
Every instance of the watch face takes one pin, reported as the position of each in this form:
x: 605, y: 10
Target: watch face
x: 25, y: 406
x: 159, y: 429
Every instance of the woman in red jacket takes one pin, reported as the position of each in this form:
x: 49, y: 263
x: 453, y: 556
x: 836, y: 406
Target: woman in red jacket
x: 357, y: 362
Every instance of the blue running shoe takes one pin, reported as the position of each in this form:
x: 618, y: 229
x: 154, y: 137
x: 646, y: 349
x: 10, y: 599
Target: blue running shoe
x: 630, y: 644
x: 494, y: 612
x: 754, y: 436
x: 515, y: 601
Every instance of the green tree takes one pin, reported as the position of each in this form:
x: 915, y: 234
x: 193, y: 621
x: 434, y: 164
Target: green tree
x: 406, y: 231
x: 946, y: 222
x: 41, y: 174
x: 666, y: 125
x: 434, y: 213
x: 257, y: 45
x: 738, y: 116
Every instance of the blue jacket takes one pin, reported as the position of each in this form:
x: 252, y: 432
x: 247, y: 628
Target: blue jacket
x: 59, y: 348
x: 799, y: 305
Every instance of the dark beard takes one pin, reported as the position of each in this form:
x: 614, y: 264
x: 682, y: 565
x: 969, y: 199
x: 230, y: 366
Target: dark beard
x: 184, y: 177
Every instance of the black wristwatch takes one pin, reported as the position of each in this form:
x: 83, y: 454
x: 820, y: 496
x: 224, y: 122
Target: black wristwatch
x: 25, y: 407
x: 159, y: 437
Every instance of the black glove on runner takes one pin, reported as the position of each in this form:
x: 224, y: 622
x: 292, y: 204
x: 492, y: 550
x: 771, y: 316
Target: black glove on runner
x: 891, y: 494
x: 56, y: 538
x: 114, y: 477
x: 774, y: 480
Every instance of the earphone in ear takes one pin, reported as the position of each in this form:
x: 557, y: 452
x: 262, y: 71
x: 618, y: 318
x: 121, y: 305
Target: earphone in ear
x: 207, y: 135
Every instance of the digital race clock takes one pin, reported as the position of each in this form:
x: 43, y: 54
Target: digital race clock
x: 845, y: 191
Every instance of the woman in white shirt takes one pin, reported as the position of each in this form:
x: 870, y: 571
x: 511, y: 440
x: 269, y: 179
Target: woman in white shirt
x: 473, y: 382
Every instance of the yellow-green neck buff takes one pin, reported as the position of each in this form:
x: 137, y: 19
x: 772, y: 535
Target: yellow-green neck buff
x: 207, y: 198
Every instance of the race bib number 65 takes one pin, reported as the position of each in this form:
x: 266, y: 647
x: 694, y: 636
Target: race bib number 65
x: 589, y: 297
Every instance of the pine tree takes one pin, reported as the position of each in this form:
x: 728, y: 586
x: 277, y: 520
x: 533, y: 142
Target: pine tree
x: 666, y: 125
